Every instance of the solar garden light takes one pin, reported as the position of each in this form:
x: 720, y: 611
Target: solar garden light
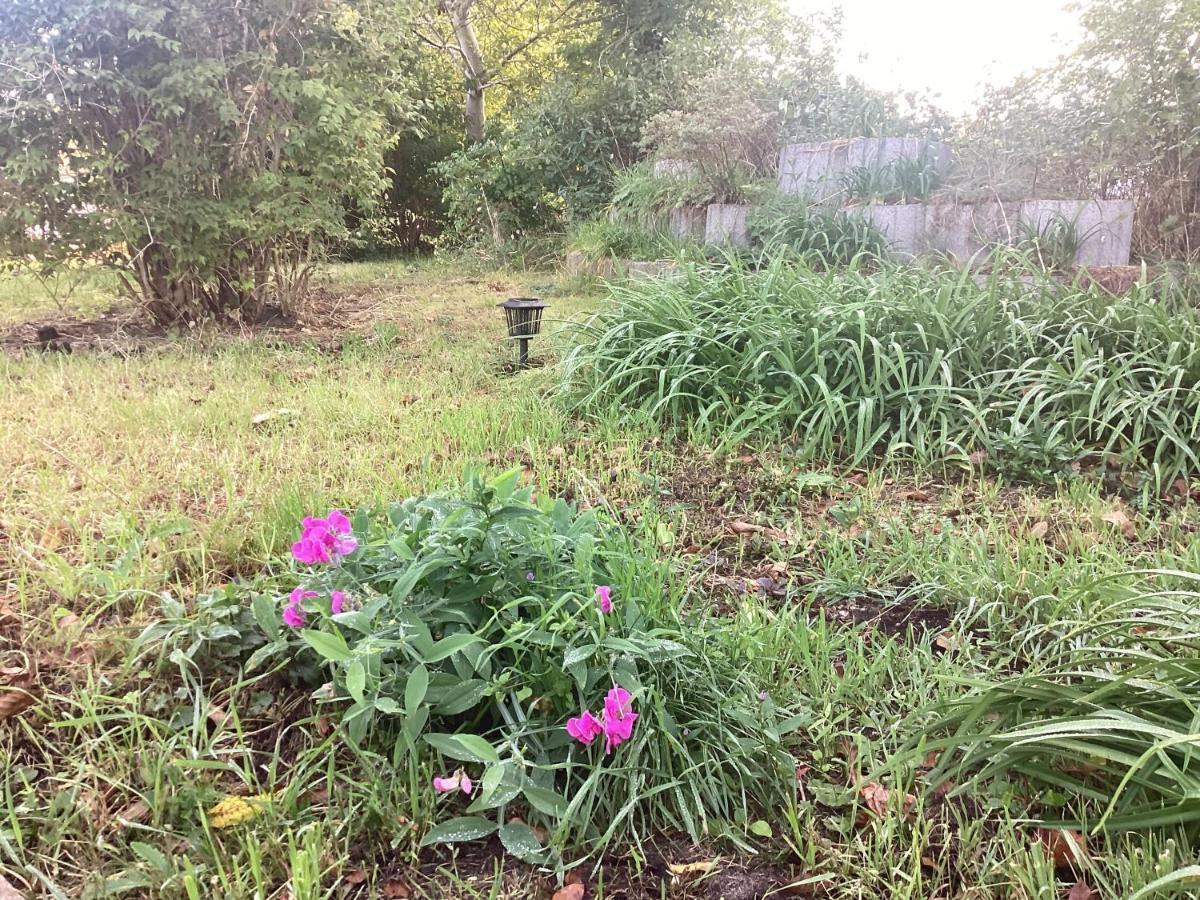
x: 524, y: 318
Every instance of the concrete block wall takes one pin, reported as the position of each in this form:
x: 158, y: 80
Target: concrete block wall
x: 1105, y: 227
x: 726, y: 224
x: 817, y: 169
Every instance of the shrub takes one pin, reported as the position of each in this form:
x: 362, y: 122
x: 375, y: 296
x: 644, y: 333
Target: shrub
x: 901, y: 361
x: 727, y: 134
x: 476, y: 625
x: 619, y: 240
x: 208, y: 159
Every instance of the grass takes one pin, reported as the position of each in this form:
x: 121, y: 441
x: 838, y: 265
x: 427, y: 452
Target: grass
x: 899, y: 362
x: 134, y: 477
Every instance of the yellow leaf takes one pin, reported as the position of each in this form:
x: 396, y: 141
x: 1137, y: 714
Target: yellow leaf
x: 236, y: 810
x: 683, y: 870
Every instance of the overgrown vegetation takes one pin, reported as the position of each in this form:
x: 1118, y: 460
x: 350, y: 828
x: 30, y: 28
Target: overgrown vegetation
x: 849, y: 364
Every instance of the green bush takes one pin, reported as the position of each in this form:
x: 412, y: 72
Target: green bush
x: 472, y: 633
x: 902, y: 361
x: 618, y: 240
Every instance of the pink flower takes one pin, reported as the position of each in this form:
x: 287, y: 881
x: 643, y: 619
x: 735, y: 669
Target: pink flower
x: 324, y: 540
x: 293, y: 617
x: 293, y: 614
x: 618, y: 718
x: 458, y: 781
x: 604, y: 595
x: 585, y: 728
x: 337, y: 601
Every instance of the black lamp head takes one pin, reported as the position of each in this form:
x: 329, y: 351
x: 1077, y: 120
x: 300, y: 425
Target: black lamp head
x: 523, y: 316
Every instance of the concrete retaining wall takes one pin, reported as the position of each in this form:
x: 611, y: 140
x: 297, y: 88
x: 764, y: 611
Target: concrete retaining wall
x: 688, y: 222
x: 1104, y: 226
x: 970, y: 231
x: 904, y: 225
x: 726, y: 224
x: 817, y: 170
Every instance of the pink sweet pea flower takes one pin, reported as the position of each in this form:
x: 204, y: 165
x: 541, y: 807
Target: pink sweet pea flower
x: 604, y: 595
x: 337, y: 601
x: 618, y: 718
x: 324, y: 540
x: 585, y: 728
x: 293, y: 617
x: 458, y: 781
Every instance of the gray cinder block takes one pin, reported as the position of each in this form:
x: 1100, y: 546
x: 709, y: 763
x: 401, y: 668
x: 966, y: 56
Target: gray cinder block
x: 1105, y: 227
x: 688, y: 222
x: 970, y: 231
x: 818, y: 169
x: 726, y: 224
x: 903, y: 224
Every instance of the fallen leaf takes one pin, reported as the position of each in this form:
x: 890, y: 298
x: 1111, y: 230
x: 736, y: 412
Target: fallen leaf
x: 395, y: 889
x: 7, y: 891
x: 1065, y: 847
x: 1039, y: 529
x: 877, y: 799
x: 687, y: 870
x: 135, y: 813
x: 948, y: 641
x: 745, y: 528
x: 570, y: 892
x: 1081, y: 890
x: 236, y: 810
x: 14, y: 700
x: 1120, y: 520
x: 917, y: 495
x: 355, y: 876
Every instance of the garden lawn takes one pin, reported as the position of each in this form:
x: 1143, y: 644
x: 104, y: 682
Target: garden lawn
x: 859, y: 596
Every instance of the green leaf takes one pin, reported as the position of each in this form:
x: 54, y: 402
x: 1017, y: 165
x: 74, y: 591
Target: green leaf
x: 464, y: 747
x: 387, y: 706
x: 546, y: 801
x: 464, y: 828
x: 356, y: 680
x: 263, y: 653
x: 266, y: 616
x: 450, y: 645
x: 761, y: 828
x: 521, y: 841
x: 464, y: 697
x: 154, y: 857
x: 577, y: 655
x: 415, y: 689
x: 331, y: 646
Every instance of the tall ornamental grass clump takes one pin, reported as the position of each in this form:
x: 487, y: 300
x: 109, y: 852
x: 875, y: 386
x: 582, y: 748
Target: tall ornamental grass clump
x: 900, y: 361
x: 1105, y: 709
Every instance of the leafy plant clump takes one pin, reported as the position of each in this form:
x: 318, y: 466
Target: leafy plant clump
x: 904, y: 180
x: 619, y: 240
x: 536, y: 655
x: 208, y: 159
x: 902, y: 361
x: 821, y: 236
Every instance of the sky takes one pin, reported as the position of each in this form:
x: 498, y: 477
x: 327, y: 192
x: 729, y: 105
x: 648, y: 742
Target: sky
x: 950, y: 48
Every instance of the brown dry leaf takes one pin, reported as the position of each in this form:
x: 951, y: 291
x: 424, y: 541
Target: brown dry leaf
x: 14, y: 700
x: 876, y: 797
x: 1120, y: 520
x: 1039, y: 530
x: 570, y: 892
x: 7, y: 891
x: 947, y: 640
x: 395, y: 889
x: 977, y: 458
x: 917, y: 495
x: 1063, y: 846
x: 556, y: 452
x: 355, y: 876
x: 688, y: 870
x: 858, y: 479
x: 135, y: 813
x: 1081, y: 890
x: 745, y: 528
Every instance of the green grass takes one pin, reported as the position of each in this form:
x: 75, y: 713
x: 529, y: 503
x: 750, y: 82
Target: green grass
x: 128, y: 477
x: 900, y: 362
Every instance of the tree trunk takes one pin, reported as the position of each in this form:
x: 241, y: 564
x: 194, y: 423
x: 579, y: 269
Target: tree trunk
x: 475, y: 71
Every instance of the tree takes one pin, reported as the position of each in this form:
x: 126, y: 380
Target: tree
x: 513, y: 28
x: 204, y: 148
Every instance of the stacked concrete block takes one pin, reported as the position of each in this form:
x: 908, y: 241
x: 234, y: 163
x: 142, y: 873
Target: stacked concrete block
x: 726, y: 224
x: 970, y: 231
x: 817, y: 170
x: 1105, y: 227
x: 688, y: 223
x: 903, y: 224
